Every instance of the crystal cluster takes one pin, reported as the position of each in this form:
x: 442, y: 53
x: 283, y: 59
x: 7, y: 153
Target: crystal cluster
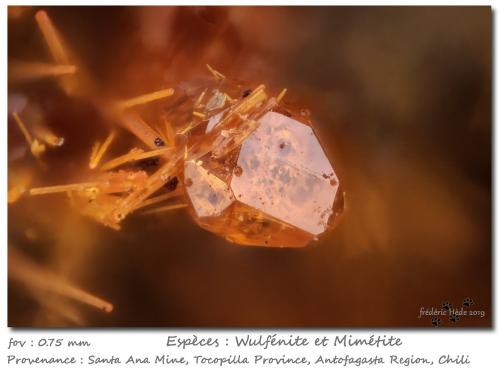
x: 275, y: 188
x: 248, y: 167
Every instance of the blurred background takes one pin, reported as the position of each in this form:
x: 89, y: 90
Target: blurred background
x: 401, y: 99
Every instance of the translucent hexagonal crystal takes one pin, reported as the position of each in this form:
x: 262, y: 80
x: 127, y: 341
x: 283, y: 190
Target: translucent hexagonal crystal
x: 277, y: 189
x: 285, y: 174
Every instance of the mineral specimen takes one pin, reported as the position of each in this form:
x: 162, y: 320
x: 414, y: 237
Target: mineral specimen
x: 245, y: 164
x: 277, y: 188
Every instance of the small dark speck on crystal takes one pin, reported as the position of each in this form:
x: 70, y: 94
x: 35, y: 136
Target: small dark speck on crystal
x: 171, y: 184
x: 159, y: 142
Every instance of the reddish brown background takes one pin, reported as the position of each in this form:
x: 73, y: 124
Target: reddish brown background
x: 402, y: 99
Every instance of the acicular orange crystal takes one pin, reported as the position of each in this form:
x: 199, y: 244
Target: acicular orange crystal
x: 276, y: 189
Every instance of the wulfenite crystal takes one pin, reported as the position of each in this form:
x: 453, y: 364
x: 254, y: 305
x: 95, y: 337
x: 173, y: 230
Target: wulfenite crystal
x: 275, y: 188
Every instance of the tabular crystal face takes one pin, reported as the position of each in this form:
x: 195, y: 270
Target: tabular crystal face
x: 209, y: 195
x: 285, y: 174
x: 277, y: 189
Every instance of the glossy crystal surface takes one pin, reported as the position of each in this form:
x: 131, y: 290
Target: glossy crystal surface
x: 277, y: 188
